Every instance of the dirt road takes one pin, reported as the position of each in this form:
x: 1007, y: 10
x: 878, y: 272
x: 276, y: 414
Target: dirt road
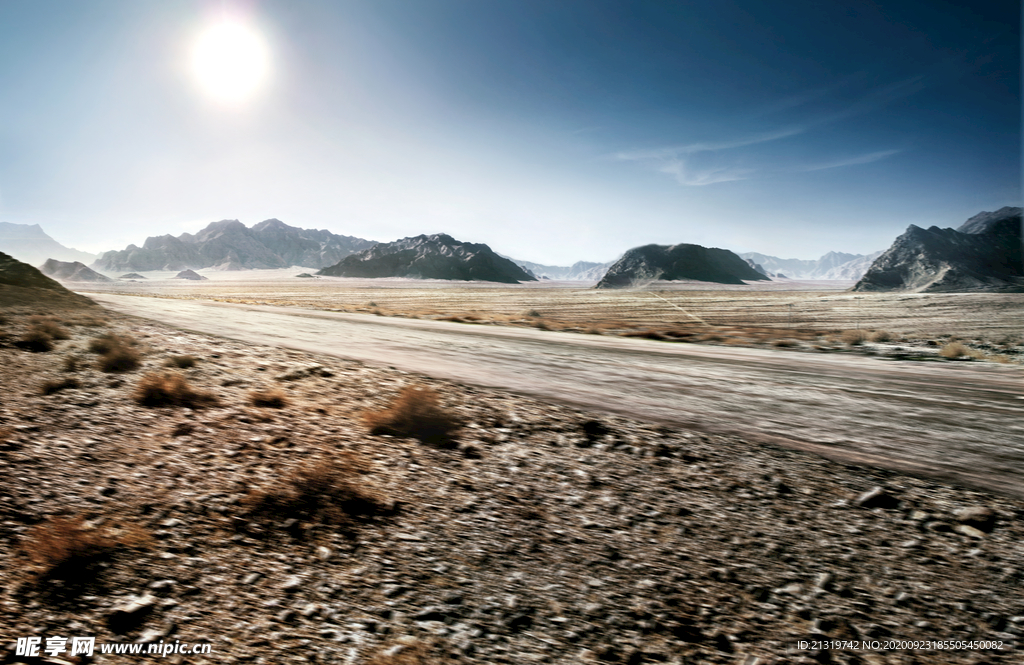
x: 962, y: 421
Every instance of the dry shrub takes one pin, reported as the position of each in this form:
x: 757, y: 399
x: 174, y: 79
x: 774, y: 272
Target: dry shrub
x: 644, y: 334
x: 49, y: 325
x: 999, y: 358
x: 953, y: 350
x: 51, y: 387
x: 72, y: 364
x: 90, y: 322
x: 181, y: 362
x: 328, y: 491
x: 107, y: 342
x: 407, y: 654
x: 541, y: 324
x: 416, y: 413
x: 170, y: 390
x: 784, y: 343
x: 66, y: 548
x: 853, y: 337
x: 881, y: 336
x: 119, y: 359
x: 271, y: 399
x: 533, y: 314
x: 36, y: 341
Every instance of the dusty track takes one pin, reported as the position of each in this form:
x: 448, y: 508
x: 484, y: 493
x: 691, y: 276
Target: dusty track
x: 960, y: 421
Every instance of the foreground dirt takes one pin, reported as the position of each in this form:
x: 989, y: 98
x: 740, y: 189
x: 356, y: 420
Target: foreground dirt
x: 546, y: 534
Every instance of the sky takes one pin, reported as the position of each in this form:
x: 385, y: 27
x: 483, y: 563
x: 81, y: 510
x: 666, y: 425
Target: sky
x: 552, y: 131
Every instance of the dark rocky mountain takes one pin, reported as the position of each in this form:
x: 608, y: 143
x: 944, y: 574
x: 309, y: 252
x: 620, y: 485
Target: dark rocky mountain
x: 230, y: 245
x: 72, y: 271
x: 25, y: 285
x: 758, y: 267
x: 437, y: 256
x: 683, y: 261
x: 984, y: 254
x: 189, y: 274
x: 132, y: 275
x: 29, y: 243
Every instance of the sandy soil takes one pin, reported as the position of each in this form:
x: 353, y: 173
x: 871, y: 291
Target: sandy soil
x: 959, y: 420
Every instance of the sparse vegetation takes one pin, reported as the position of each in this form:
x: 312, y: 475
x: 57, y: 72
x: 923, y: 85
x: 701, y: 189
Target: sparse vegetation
x: 271, y: 399
x: 155, y: 390
x: 72, y: 364
x: 54, y: 386
x: 181, y: 362
x: 533, y: 314
x: 67, y: 548
x: 853, y: 337
x: 415, y: 413
x: 328, y: 491
x: 953, y: 350
x: 785, y: 343
x: 49, y: 325
x: 881, y: 336
x: 119, y: 359
x: 109, y: 341
x: 36, y: 341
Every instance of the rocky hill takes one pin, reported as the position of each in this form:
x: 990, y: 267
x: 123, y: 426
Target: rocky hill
x: 230, y: 245
x: 24, y: 285
x: 73, y: 271
x: 683, y: 261
x: 984, y: 254
x: 436, y: 256
x: 29, y: 243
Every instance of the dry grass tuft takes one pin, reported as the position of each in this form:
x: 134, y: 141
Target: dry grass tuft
x: 329, y: 492
x: 853, y: 337
x: 404, y: 654
x: 953, y: 350
x: 270, y: 399
x: 119, y: 359
x: 67, y: 548
x: 416, y: 413
x: 109, y: 341
x: 785, y: 343
x: 881, y: 336
x: 156, y: 390
x: 181, y: 362
x: 36, y: 341
x: 72, y: 364
x: 53, y: 386
x: 49, y: 325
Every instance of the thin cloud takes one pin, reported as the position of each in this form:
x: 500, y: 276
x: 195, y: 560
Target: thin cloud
x: 851, y: 161
x: 670, y: 152
x: 697, y: 177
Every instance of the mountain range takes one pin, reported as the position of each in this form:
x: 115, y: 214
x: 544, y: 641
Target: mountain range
x: 71, y: 271
x: 437, y: 256
x: 584, y: 271
x: 983, y: 254
x: 30, y: 244
x: 834, y: 265
x: 230, y: 245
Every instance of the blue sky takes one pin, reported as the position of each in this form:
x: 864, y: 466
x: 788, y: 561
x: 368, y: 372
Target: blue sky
x: 553, y: 131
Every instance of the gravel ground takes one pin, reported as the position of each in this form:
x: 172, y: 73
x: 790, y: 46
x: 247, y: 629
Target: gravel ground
x: 539, y: 534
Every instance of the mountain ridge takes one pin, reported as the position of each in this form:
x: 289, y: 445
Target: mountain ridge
x: 678, y: 262
x: 436, y: 256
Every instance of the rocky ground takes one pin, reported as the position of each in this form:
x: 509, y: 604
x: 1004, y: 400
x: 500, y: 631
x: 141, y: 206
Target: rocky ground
x: 540, y: 534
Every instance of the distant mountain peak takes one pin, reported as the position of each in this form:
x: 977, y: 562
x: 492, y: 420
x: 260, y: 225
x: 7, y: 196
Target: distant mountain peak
x: 435, y: 256
x: 678, y: 262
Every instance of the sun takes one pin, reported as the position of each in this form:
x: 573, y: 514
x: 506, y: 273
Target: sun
x: 231, y: 62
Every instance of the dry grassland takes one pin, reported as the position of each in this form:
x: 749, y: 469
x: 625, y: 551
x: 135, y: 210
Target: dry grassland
x: 731, y: 314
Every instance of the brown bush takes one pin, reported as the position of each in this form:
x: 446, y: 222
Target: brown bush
x: 49, y: 325
x: 51, y: 387
x: 170, y: 390
x: 415, y: 413
x: 270, y: 399
x: 329, y: 491
x: 105, y: 343
x: 853, y: 337
x: 784, y: 343
x: 65, y: 548
x: 881, y: 336
x: 36, y: 341
x: 119, y: 359
x: 953, y: 350
x: 181, y: 362
x: 72, y: 364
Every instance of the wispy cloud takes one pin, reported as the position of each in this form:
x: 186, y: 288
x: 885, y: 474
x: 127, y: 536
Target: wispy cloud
x: 851, y: 161
x: 677, y: 151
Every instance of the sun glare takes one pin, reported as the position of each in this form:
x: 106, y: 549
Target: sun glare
x: 231, y: 62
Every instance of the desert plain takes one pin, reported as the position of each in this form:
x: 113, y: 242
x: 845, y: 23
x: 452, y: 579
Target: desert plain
x: 264, y: 510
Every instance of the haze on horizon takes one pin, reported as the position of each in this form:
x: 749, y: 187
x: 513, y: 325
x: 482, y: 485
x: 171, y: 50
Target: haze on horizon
x: 554, y: 132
